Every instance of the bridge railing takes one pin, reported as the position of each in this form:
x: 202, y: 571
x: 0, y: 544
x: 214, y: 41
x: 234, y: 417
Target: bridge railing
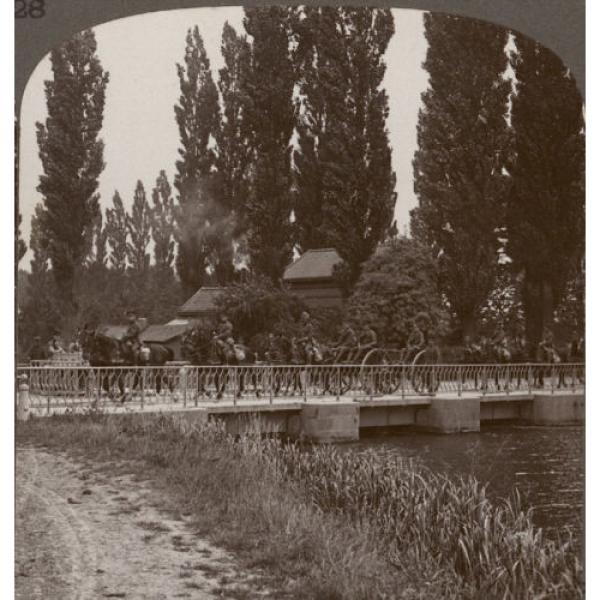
x: 79, y: 386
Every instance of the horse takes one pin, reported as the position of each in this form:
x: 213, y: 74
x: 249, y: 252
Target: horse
x: 204, y: 350
x: 102, y: 350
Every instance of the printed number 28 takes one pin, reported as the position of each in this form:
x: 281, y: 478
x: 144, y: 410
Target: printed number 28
x: 32, y: 8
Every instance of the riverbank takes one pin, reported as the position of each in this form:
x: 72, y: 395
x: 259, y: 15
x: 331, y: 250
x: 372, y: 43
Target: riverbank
x: 323, y: 524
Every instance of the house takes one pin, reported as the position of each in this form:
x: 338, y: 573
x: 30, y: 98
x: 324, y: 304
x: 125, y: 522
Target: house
x: 310, y: 277
x: 167, y: 335
x: 202, y: 306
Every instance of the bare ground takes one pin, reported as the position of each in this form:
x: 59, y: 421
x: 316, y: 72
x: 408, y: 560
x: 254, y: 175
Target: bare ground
x: 84, y: 532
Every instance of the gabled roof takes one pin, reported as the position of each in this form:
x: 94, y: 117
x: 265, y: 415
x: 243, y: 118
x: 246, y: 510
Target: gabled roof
x: 313, y: 264
x: 162, y: 333
x: 203, y: 301
x: 116, y: 332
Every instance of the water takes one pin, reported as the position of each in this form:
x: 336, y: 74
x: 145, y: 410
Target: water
x: 546, y: 464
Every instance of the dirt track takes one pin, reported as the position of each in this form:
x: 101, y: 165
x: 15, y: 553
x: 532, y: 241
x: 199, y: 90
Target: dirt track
x: 82, y: 534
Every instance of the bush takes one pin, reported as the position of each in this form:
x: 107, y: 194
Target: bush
x: 258, y: 307
x: 398, y: 282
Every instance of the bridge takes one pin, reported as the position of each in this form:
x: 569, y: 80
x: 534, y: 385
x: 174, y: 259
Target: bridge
x: 322, y: 403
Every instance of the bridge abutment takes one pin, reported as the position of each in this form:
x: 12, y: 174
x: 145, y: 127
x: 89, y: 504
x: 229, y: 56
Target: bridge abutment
x: 449, y: 415
x: 558, y: 409
x: 324, y: 423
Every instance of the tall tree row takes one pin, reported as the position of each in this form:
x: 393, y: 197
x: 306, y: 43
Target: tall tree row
x: 462, y: 148
x: 545, y: 214
x: 345, y: 182
x: 71, y: 153
x: 197, y: 114
x: 269, y: 115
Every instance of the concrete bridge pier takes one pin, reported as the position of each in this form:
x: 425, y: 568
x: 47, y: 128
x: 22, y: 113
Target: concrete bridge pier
x: 558, y: 409
x: 449, y: 415
x: 323, y: 423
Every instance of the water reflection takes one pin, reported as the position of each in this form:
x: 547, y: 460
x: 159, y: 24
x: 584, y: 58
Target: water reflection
x: 546, y: 464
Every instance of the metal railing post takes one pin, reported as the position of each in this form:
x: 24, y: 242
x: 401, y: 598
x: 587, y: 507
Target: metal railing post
x: 552, y: 375
x: 142, y: 386
x: 305, y: 386
x: 338, y: 383
x: 573, y: 376
x: 402, y: 382
x: 484, y: 380
x: 235, y: 385
x: 270, y: 371
x: 460, y: 381
x: 529, y: 377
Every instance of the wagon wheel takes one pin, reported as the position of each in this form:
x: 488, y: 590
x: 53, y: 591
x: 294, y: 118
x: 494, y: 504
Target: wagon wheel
x: 385, y: 380
x: 339, y: 382
x: 422, y: 379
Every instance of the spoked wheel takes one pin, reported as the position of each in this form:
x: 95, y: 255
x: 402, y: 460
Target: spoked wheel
x: 377, y: 373
x: 422, y: 377
x: 339, y: 382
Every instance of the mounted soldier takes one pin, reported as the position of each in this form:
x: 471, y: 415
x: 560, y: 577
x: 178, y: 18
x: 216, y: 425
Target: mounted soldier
x: 347, y: 346
x: 224, y: 340
x: 367, y: 341
x: 415, y: 343
x: 312, y: 352
x: 130, y: 342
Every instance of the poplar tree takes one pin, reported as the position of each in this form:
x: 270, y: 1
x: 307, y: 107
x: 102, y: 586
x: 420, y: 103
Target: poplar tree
x: 269, y: 118
x: 163, y: 223
x: 116, y: 234
x: 234, y: 152
x: 462, y: 136
x: 139, y: 224
x: 545, y: 216
x: 72, y: 157
x: 197, y: 116
x: 343, y: 166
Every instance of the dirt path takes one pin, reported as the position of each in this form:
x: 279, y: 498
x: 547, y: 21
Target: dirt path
x: 82, y: 534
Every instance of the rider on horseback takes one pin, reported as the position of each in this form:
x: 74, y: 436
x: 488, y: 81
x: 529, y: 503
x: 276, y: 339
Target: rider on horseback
x: 223, y: 337
x: 346, y: 347
x: 131, y: 339
x: 547, y: 350
x: 418, y: 338
x: 367, y: 341
x: 274, y: 353
x: 307, y: 339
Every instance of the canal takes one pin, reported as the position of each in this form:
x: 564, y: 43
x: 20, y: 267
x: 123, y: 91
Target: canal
x: 546, y: 464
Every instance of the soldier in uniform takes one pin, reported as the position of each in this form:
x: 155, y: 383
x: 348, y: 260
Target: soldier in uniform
x: 368, y: 339
x: 131, y: 339
x: 415, y: 343
x: 224, y: 336
x: 307, y: 337
x: 274, y: 353
x: 347, y: 345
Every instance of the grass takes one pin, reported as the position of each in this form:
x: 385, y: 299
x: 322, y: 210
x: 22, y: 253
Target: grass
x: 324, y: 524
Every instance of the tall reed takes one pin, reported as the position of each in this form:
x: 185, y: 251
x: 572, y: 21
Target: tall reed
x: 421, y: 519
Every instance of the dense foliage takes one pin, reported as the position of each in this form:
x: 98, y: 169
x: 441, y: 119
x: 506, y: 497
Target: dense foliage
x: 269, y: 86
x: 546, y: 211
x: 345, y: 184
x: 463, y: 143
x: 71, y: 153
x: 396, y: 284
x: 259, y: 307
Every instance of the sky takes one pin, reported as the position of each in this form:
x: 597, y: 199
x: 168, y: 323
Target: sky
x: 139, y: 129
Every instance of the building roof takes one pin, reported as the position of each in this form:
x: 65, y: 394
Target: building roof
x: 116, y: 332
x: 162, y: 333
x: 313, y: 264
x: 203, y: 301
